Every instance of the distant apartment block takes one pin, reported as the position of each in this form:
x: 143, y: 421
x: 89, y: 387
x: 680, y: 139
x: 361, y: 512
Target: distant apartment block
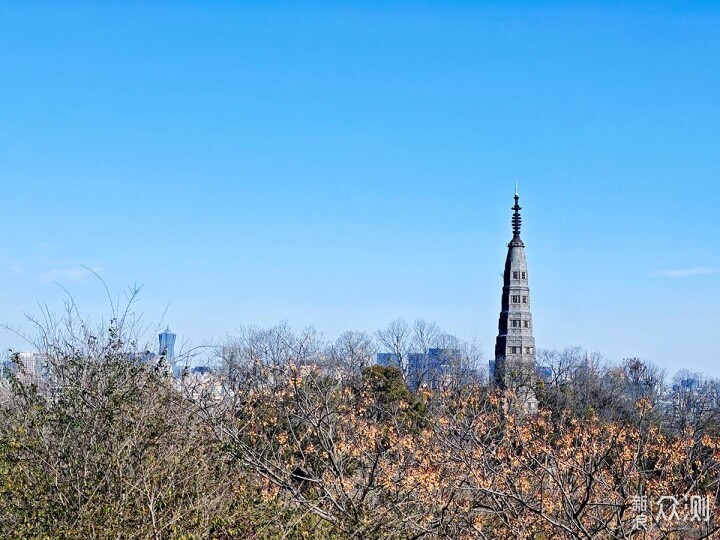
x: 434, y: 369
x: 387, y: 360
x: 28, y: 367
x: 427, y: 370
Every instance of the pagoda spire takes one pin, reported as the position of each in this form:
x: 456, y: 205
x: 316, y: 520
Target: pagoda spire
x: 517, y: 218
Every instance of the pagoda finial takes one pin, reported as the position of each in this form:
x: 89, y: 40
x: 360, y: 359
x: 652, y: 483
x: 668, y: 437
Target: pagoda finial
x: 516, y: 188
x: 516, y: 219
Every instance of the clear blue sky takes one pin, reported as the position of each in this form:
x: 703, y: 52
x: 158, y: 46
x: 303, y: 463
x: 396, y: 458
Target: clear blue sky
x: 340, y: 165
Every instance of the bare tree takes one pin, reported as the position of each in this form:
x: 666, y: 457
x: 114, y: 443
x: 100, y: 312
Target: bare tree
x: 353, y: 350
x: 107, y: 448
x: 396, y: 339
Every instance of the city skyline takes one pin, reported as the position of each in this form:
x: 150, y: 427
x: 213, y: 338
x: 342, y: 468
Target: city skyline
x: 346, y: 166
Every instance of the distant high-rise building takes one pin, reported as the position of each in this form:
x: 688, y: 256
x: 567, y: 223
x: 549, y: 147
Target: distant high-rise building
x: 167, y: 345
x: 545, y: 373
x: 515, y: 344
x: 433, y: 369
x: 387, y: 360
x: 417, y: 367
x: 28, y: 367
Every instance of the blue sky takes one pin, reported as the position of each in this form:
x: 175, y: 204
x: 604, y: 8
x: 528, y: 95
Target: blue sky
x: 343, y: 164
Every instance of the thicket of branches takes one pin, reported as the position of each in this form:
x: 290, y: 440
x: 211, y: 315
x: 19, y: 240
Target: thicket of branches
x: 293, y: 436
